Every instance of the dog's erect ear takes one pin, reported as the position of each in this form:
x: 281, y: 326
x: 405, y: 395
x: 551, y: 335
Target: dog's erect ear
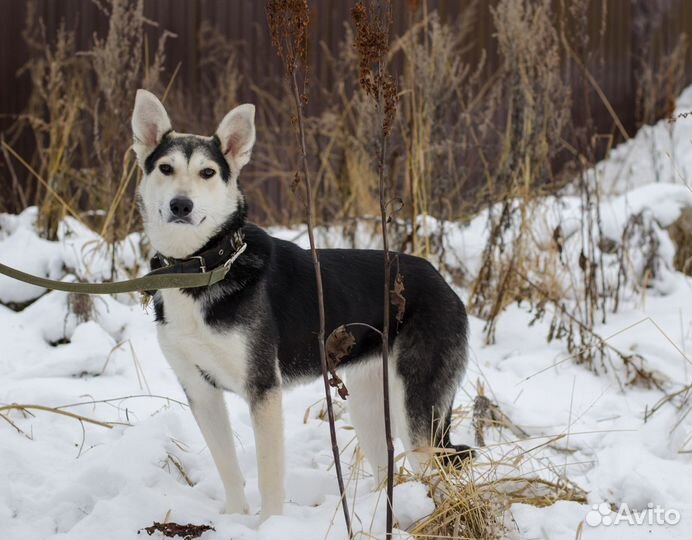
x: 236, y: 132
x: 149, y: 123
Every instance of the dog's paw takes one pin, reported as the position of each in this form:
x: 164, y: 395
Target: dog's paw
x: 264, y: 516
x: 266, y: 513
x: 460, y: 455
x: 237, y: 507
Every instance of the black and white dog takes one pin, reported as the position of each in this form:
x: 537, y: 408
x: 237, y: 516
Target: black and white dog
x: 255, y: 332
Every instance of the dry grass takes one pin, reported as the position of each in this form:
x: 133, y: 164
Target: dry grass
x: 26, y: 408
x: 432, y: 124
x: 474, y: 501
x: 531, y: 135
x: 79, y: 116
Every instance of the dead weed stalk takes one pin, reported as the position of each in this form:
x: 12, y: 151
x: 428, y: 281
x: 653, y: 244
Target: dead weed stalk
x: 373, y: 22
x: 288, y: 24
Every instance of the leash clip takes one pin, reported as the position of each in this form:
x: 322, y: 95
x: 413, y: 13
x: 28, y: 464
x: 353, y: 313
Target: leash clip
x: 238, y: 253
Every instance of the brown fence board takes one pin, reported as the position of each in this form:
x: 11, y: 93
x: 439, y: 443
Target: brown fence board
x: 244, y: 21
x: 613, y: 64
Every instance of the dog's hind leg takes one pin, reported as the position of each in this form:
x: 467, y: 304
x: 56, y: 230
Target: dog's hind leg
x: 267, y: 423
x: 209, y: 409
x: 366, y: 408
x: 430, y: 375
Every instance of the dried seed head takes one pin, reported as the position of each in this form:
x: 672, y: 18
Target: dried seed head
x: 372, y: 44
x: 288, y: 25
x: 372, y: 36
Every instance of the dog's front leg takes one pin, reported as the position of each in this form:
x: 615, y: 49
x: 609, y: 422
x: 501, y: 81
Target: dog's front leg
x: 267, y: 422
x: 209, y: 409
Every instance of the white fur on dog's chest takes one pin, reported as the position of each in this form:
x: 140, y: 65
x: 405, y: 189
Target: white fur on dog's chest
x: 191, y: 344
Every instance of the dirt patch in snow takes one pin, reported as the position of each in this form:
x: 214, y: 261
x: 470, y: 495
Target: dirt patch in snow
x: 187, y: 532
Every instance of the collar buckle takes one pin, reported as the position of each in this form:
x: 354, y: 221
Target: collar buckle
x: 202, y: 263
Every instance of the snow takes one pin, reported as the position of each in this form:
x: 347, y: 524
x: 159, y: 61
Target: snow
x: 658, y: 153
x: 65, y: 478
x: 19, y: 251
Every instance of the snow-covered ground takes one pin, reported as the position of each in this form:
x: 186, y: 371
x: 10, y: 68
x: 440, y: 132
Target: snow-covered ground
x: 658, y: 153
x: 65, y: 477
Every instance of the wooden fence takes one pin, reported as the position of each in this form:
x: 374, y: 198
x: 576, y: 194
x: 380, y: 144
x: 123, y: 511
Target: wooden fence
x: 630, y: 27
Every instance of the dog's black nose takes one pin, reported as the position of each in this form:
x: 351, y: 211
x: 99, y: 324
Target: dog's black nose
x: 181, y: 207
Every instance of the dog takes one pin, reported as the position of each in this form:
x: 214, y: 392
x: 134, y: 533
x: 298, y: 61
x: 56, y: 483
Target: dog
x: 254, y: 332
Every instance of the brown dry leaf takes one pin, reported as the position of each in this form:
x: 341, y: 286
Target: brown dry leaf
x: 397, y: 298
x: 336, y: 382
x: 339, y: 345
x: 558, y: 239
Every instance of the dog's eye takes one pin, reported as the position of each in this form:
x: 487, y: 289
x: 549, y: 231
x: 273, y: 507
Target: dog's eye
x: 166, y: 169
x: 207, y: 173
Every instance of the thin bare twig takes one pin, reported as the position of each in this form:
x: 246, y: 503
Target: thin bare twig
x: 372, y: 43
x: 320, y: 303
x: 288, y: 22
x: 25, y: 407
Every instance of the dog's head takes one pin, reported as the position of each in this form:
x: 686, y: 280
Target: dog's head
x: 190, y: 184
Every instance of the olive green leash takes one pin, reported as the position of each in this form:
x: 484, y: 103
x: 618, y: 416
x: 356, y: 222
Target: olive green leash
x: 172, y: 276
